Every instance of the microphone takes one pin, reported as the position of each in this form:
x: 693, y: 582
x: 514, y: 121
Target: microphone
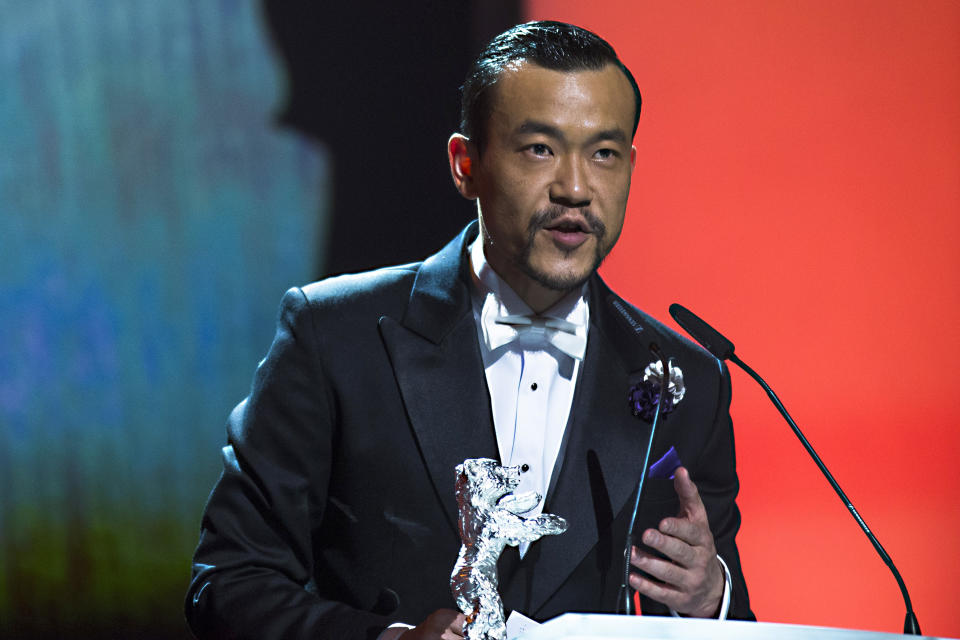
x: 625, y: 594
x: 708, y: 337
x: 714, y: 342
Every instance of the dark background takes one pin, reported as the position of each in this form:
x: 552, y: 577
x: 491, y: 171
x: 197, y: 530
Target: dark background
x: 378, y: 85
x: 167, y: 170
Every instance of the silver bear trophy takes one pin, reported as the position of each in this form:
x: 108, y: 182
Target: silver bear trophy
x: 489, y: 520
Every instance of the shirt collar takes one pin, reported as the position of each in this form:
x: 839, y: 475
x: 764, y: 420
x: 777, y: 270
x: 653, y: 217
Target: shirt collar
x: 493, y: 296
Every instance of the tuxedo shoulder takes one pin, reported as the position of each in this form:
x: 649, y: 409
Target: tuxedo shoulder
x: 381, y: 290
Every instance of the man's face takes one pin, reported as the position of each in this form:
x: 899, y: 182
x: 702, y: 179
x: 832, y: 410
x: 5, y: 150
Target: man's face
x: 553, y: 176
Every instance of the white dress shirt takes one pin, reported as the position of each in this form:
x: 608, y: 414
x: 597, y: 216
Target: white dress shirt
x: 531, y: 380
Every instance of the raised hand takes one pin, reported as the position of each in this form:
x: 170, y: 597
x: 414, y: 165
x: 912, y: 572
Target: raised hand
x: 690, y: 581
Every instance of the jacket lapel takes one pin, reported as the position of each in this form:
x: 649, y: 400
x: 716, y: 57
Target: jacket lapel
x: 437, y: 364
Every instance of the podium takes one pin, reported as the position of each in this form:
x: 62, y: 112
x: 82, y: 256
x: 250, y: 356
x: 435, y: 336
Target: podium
x: 581, y: 626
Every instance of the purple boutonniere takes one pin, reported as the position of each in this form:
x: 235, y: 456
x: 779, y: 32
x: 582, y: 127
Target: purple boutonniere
x: 644, y: 395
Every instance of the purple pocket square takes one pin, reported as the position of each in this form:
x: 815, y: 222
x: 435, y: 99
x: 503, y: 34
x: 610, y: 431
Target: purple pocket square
x: 665, y: 466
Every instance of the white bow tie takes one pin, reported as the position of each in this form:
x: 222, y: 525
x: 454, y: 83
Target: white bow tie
x: 500, y: 329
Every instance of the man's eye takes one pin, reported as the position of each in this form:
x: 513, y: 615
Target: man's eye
x: 539, y: 149
x: 604, y: 154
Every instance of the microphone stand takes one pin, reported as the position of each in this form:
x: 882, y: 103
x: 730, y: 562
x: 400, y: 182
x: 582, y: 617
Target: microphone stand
x: 626, y: 595
x: 910, y: 624
x: 722, y: 349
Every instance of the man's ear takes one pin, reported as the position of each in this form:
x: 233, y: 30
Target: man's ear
x: 633, y: 156
x: 460, y: 156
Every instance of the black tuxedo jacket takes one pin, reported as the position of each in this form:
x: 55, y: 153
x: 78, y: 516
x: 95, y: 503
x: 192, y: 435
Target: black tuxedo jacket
x: 335, y: 513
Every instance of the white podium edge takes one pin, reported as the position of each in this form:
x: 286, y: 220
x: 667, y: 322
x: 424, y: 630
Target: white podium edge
x: 582, y: 626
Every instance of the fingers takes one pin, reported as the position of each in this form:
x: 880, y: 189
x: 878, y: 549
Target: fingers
x: 697, y: 590
x: 690, y: 502
x: 442, y: 624
x: 661, y: 592
x: 455, y: 628
x: 691, y: 523
x: 666, y: 582
x: 663, y: 570
x: 691, y: 532
x: 675, y: 548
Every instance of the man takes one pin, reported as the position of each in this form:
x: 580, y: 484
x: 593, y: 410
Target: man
x: 335, y: 514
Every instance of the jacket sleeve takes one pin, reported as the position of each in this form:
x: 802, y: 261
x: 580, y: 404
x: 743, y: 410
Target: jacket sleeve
x: 253, y: 568
x: 718, y: 485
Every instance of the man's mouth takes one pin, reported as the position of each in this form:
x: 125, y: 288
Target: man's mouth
x: 569, y: 232
x: 569, y: 225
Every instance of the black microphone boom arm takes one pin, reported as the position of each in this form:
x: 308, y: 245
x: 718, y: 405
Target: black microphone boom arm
x: 714, y: 342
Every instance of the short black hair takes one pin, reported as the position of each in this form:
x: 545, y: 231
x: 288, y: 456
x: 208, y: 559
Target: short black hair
x: 557, y: 46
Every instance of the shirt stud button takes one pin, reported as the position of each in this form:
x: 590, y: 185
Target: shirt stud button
x: 524, y: 467
x: 533, y: 387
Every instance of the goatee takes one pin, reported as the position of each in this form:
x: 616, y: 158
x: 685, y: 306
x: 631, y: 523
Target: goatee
x: 561, y: 282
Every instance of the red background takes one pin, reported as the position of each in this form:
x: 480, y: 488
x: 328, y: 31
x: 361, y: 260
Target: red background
x: 798, y: 185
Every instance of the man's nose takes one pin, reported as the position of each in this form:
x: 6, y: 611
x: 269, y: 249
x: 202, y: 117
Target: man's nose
x: 571, y: 183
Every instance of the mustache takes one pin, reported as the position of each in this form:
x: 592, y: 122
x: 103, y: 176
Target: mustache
x: 552, y: 213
